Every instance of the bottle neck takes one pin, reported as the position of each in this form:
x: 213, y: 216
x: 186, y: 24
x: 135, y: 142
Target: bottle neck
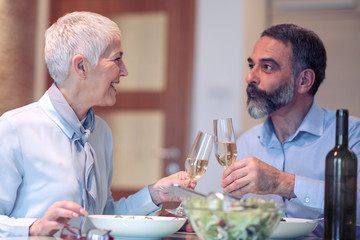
x: 342, y: 122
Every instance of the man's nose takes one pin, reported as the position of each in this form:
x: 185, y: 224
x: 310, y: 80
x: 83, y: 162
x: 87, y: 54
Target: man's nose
x: 252, y: 76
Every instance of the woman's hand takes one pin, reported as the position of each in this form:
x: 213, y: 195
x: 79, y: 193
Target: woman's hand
x: 56, y: 217
x: 160, y: 191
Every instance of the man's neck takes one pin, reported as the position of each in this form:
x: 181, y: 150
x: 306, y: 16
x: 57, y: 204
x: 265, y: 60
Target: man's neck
x: 288, y: 119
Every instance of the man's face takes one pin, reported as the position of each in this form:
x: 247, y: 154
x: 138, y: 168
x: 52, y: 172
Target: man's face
x: 271, y: 84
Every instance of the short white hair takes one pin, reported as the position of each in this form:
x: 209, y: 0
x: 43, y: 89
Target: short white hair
x: 85, y: 33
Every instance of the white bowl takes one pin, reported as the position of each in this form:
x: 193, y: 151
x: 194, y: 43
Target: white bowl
x: 293, y: 228
x: 137, y: 226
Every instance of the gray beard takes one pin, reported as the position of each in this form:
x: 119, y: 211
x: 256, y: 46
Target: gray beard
x: 261, y: 103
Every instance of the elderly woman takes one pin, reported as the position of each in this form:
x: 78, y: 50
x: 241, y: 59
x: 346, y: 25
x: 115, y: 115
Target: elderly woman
x: 55, y: 154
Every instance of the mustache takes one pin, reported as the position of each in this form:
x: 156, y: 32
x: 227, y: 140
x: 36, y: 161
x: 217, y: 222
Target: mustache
x: 254, y: 93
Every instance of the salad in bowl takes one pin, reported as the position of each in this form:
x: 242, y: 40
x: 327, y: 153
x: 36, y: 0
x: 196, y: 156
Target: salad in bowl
x: 216, y: 218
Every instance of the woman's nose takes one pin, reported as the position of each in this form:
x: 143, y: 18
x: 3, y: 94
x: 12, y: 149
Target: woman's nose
x: 123, y: 70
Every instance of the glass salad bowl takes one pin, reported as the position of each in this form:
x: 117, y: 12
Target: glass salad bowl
x: 228, y: 218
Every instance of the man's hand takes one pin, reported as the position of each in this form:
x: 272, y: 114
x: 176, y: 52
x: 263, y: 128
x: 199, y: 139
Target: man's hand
x: 160, y: 191
x: 251, y: 175
x: 55, y: 218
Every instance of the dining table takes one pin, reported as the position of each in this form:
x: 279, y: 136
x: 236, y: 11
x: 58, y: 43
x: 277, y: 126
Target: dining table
x: 193, y: 236
x: 175, y: 236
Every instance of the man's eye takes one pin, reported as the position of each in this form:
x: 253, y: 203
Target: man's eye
x: 267, y: 67
x: 251, y: 65
x: 117, y: 59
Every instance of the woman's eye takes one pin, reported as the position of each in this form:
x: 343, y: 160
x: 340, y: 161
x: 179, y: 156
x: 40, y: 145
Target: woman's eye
x: 117, y: 59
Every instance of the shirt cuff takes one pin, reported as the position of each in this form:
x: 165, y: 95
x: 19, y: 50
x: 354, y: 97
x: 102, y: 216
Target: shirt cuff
x: 150, y: 203
x: 309, y: 191
x: 15, y: 227
x: 142, y: 203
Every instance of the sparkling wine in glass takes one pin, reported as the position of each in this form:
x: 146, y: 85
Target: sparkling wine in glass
x: 198, y: 157
x: 196, y: 162
x: 225, y: 143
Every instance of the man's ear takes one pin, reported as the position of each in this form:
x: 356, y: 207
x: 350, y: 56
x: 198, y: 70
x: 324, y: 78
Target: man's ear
x: 306, y: 80
x: 78, y: 65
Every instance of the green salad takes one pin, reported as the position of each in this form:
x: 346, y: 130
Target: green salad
x: 239, y: 219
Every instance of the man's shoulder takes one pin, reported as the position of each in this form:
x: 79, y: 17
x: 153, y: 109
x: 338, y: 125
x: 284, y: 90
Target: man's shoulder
x: 354, y: 124
x: 254, y: 131
x: 330, y: 119
x: 354, y: 120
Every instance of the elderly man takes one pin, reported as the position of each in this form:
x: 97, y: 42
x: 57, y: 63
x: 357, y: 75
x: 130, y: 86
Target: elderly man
x: 284, y: 158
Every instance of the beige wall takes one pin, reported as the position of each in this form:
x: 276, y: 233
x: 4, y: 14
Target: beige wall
x: 256, y: 20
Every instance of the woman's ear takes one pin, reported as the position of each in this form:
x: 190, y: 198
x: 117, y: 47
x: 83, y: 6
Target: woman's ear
x: 78, y: 65
x: 306, y: 80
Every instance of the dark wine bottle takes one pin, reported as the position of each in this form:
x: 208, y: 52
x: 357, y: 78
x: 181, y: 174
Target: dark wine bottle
x: 340, y: 185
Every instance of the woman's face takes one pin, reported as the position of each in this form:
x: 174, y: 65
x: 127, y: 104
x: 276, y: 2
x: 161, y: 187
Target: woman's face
x: 105, y: 75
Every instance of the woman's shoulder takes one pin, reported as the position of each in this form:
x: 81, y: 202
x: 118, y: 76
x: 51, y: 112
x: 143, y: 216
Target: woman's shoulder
x: 21, y: 111
x: 102, y: 127
x: 101, y: 123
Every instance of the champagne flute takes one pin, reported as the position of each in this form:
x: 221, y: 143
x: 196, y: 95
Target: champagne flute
x: 225, y: 143
x: 198, y: 159
x: 196, y: 162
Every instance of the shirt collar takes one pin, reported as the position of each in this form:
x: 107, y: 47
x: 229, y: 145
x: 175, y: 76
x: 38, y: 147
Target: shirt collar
x: 313, y: 123
x: 49, y: 109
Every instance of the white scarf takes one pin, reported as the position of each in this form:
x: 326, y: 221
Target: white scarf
x: 82, y: 153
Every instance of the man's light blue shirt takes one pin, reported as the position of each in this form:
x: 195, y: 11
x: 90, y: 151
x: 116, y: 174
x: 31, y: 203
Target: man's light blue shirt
x: 302, y: 154
x: 37, y: 168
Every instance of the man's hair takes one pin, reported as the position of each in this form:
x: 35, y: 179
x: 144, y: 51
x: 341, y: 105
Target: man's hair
x: 85, y: 33
x: 307, y: 48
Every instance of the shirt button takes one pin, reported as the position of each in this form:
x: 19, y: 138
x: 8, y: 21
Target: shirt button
x: 307, y: 199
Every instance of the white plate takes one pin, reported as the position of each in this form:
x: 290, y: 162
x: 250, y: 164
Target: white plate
x: 293, y: 228
x: 137, y: 226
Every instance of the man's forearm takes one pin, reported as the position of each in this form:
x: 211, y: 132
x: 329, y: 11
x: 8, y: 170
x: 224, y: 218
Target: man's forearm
x: 286, y: 185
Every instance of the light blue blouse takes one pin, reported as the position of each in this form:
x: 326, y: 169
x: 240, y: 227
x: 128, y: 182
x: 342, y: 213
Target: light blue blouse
x: 36, y: 168
x: 302, y: 154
